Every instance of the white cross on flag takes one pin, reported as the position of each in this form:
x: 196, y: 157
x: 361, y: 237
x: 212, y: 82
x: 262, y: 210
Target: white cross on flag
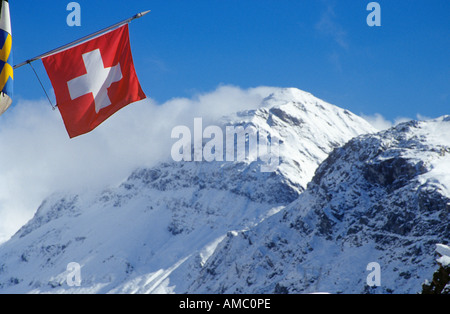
x: 94, y: 80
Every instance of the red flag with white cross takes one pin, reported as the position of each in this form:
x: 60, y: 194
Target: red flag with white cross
x: 94, y: 80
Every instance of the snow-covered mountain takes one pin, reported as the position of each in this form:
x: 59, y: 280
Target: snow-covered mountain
x: 154, y: 232
x: 382, y: 198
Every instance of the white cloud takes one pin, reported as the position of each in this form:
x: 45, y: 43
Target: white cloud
x: 378, y: 121
x: 421, y: 117
x: 381, y: 123
x: 37, y: 158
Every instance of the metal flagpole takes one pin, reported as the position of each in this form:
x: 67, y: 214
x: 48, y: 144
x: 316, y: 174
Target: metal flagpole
x: 82, y: 39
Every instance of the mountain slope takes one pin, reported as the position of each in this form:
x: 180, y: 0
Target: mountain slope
x: 381, y: 198
x: 153, y: 233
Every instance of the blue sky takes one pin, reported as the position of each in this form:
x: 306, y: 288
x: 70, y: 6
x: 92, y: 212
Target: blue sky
x: 325, y: 47
x: 208, y: 54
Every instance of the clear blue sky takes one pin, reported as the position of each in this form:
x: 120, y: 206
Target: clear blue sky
x: 321, y: 46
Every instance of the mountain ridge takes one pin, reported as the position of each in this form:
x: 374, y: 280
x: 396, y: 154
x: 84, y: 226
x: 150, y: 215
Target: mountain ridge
x: 155, y: 231
x: 380, y: 198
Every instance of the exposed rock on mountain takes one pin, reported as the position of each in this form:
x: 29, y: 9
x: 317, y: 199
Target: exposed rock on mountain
x: 154, y: 232
x: 381, y: 198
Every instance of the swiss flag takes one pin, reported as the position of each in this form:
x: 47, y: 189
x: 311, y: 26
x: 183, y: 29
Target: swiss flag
x: 94, y: 80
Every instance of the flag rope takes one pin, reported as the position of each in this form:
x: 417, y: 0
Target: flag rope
x: 42, y: 85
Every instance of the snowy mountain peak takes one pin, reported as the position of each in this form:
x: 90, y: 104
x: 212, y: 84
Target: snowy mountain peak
x: 153, y: 233
x: 309, y: 129
x: 381, y: 198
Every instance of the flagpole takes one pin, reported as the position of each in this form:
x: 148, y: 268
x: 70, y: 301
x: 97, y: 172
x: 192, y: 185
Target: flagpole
x: 139, y: 15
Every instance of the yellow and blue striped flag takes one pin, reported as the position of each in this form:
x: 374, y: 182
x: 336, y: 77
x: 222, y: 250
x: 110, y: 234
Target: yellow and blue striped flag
x: 6, y: 60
